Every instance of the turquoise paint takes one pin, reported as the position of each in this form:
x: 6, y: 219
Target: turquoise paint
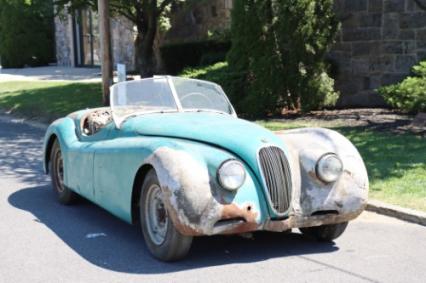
x: 235, y: 135
x: 102, y: 167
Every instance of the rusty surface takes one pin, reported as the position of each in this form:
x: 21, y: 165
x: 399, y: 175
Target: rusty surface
x: 196, y: 210
x: 347, y: 195
x: 247, y: 212
x: 309, y: 221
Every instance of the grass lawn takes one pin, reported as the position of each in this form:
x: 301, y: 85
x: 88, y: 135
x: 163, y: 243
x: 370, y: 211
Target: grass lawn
x: 48, y: 101
x: 396, y: 163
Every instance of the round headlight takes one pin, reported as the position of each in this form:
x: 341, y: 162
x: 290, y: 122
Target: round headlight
x: 329, y: 168
x: 231, y: 175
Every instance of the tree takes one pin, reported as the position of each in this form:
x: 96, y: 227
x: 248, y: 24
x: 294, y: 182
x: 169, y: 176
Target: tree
x: 26, y: 33
x: 277, y: 54
x: 146, y: 16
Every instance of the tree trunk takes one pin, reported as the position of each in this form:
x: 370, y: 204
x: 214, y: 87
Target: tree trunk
x: 145, y: 60
x: 144, y: 44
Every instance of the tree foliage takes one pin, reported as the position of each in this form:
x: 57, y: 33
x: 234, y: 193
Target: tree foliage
x: 278, y: 54
x: 146, y: 15
x: 26, y: 33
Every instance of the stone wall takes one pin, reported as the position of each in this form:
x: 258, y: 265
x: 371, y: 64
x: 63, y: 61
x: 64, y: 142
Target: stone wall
x: 123, y: 48
x: 64, y: 41
x: 122, y: 37
x: 199, y: 21
x: 379, y: 42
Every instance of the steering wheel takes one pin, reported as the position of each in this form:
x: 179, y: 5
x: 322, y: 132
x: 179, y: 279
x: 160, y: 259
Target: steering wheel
x: 197, y: 94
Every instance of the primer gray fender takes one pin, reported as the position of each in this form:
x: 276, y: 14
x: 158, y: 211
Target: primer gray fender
x: 347, y: 196
x: 187, y: 191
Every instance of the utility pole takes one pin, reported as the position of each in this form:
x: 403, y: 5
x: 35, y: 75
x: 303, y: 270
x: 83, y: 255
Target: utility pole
x: 105, y: 38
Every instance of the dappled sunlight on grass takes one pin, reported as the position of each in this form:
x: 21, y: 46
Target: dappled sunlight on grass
x: 396, y: 163
x: 48, y: 100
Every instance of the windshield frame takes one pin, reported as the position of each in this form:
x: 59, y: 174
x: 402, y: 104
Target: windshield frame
x: 119, y: 120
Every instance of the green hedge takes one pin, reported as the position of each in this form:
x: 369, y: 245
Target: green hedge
x: 178, y: 56
x: 410, y: 94
x: 26, y: 33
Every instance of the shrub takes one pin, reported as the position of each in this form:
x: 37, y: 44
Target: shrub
x: 410, y: 94
x: 278, y: 49
x: 26, y: 33
x: 178, y: 56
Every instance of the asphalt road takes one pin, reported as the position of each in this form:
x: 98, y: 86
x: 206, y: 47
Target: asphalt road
x: 42, y: 241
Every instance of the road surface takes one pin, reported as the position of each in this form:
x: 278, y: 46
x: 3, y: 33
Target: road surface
x: 42, y: 241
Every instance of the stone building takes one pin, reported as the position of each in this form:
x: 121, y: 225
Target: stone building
x: 77, y: 37
x: 379, y: 42
x: 77, y: 40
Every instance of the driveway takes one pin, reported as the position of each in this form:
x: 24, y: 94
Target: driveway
x: 51, y: 73
x: 42, y: 241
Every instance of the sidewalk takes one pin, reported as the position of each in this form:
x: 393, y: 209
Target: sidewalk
x: 51, y: 73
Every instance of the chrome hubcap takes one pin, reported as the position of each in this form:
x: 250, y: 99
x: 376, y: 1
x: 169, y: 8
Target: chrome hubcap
x: 156, y: 216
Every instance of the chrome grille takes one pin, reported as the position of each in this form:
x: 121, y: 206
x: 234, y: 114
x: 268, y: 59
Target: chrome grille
x: 276, y: 174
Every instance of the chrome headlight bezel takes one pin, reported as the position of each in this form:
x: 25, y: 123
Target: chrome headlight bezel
x: 223, y: 172
x: 323, y: 170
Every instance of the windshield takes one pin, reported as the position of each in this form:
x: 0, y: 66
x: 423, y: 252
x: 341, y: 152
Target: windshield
x: 166, y: 94
x: 201, y: 95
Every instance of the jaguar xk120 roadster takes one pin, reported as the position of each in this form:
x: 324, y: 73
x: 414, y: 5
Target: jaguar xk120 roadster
x: 171, y: 155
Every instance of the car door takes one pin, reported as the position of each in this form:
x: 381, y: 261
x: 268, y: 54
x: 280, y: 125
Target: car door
x: 116, y: 161
x: 81, y: 162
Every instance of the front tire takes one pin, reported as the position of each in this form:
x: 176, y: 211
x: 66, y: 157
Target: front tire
x: 63, y: 194
x: 325, y: 233
x: 163, y: 240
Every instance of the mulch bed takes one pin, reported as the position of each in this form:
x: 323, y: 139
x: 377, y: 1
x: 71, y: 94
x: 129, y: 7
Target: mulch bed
x: 372, y: 118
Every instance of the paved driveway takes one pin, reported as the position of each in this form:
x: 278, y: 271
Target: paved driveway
x: 42, y: 241
x: 51, y: 73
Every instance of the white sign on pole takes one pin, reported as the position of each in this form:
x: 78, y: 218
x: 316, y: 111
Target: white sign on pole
x: 121, y: 72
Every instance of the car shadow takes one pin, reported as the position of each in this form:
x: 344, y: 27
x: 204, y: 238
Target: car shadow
x: 107, y: 242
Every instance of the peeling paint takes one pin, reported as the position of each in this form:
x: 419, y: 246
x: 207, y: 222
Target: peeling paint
x: 196, y: 207
x: 309, y: 221
x: 187, y: 193
x: 347, y: 195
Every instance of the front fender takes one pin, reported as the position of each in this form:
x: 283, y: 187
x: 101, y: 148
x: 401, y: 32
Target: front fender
x: 196, y: 202
x: 347, y: 196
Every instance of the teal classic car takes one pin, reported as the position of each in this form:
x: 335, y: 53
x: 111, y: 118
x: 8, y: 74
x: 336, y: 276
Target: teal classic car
x: 171, y: 155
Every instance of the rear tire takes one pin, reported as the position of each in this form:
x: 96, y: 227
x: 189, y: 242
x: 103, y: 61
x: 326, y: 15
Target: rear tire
x: 64, y: 195
x: 325, y: 233
x: 162, y: 238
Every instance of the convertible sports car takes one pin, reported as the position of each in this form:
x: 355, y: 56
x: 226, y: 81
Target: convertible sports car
x: 171, y: 155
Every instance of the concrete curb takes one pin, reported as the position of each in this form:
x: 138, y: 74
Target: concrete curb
x: 395, y: 211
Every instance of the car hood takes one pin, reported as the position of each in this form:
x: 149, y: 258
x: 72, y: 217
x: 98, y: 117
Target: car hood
x: 238, y: 136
